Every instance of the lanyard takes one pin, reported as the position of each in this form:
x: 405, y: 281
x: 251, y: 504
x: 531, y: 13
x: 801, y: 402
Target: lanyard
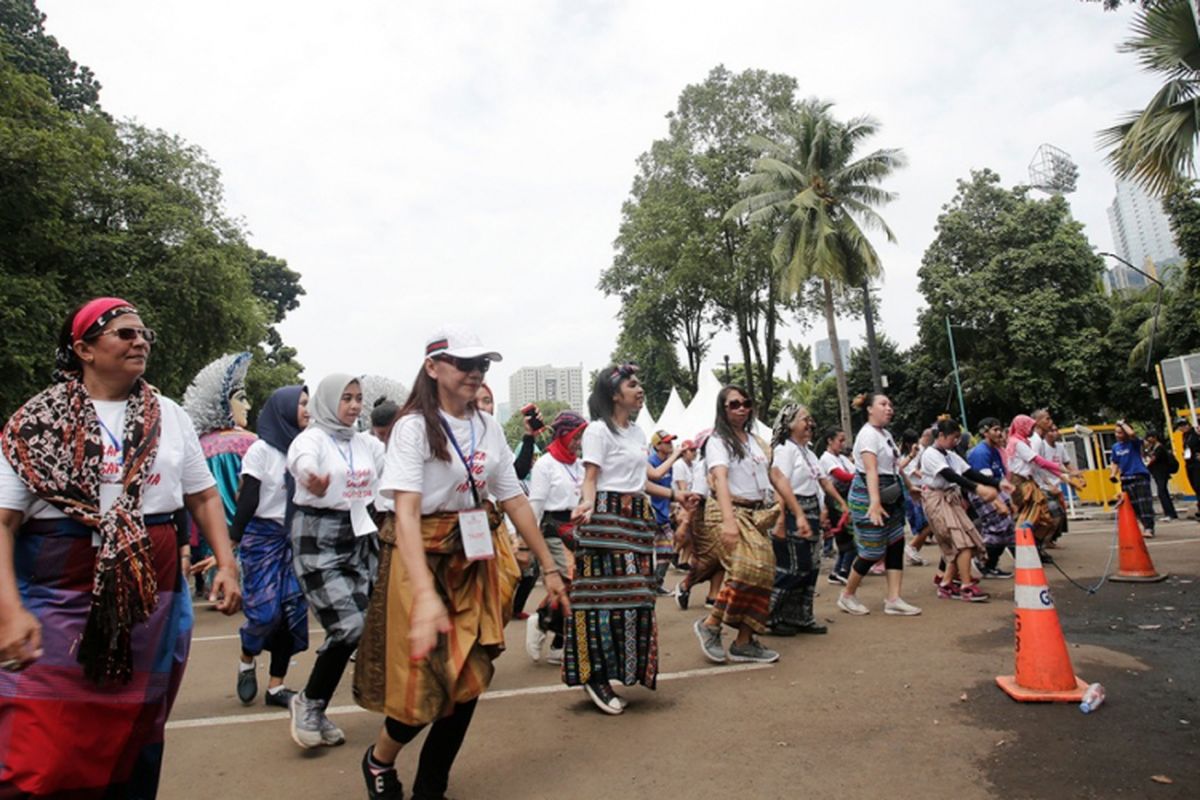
x: 575, y: 480
x: 348, y: 459
x: 466, y: 463
x: 116, y: 443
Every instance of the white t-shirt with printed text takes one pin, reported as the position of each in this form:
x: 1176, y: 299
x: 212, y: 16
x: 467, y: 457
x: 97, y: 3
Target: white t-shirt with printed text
x: 554, y: 486
x: 179, y: 467
x: 801, y: 467
x: 747, y: 476
x: 353, y: 467
x: 880, y: 442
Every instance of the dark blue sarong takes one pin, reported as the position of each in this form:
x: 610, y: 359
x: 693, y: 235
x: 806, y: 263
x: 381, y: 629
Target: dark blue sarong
x: 271, y: 594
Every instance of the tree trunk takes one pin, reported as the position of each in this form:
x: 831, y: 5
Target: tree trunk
x: 839, y: 369
x: 872, y: 346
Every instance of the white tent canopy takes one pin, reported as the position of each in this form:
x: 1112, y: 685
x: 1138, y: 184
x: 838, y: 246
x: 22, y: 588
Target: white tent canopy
x: 645, y: 421
x: 699, y: 414
x: 672, y: 413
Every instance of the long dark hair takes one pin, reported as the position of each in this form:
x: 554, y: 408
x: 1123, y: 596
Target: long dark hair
x: 608, y: 383
x: 423, y: 400
x: 722, y: 426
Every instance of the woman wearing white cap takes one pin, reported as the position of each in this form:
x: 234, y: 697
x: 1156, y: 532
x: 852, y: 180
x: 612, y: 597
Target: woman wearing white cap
x: 447, y: 570
x: 336, y: 471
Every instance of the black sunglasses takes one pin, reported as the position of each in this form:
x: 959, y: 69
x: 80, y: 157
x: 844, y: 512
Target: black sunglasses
x: 131, y: 334
x: 480, y: 364
x: 735, y: 405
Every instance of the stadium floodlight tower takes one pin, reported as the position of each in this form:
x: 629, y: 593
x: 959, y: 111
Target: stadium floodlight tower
x: 1053, y: 171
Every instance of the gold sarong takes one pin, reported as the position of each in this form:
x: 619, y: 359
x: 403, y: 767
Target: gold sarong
x: 478, y: 597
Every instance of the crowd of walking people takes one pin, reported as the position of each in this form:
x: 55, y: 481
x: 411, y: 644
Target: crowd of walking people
x: 414, y: 543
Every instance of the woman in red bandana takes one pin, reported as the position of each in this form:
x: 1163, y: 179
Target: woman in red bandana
x: 95, y: 617
x: 554, y: 494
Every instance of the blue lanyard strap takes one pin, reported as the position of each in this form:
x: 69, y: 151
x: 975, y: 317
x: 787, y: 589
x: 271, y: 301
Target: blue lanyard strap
x: 348, y: 459
x: 116, y: 443
x: 466, y: 463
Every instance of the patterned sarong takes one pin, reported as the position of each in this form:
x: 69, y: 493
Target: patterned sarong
x: 706, y: 547
x: 478, y: 597
x: 611, y: 632
x: 797, y: 560
x: 745, y: 597
x: 61, y: 734
x: 271, y: 595
x: 1031, y: 506
x: 870, y: 539
x: 996, y: 529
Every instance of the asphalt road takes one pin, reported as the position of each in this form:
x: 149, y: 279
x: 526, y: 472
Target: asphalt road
x: 880, y: 707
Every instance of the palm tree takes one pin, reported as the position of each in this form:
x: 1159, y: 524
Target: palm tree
x: 1155, y: 146
x: 809, y: 186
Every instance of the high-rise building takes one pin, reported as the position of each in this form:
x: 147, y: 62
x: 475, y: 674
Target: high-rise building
x: 539, y: 384
x: 1141, y: 235
x: 823, y: 352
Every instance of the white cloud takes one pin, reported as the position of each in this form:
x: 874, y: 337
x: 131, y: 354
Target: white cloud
x: 467, y: 161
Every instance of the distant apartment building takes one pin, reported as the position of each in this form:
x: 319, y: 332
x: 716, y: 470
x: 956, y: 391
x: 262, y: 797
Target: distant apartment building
x: 823, y: 352
x: 1141, y: 235
x: 539, y: 384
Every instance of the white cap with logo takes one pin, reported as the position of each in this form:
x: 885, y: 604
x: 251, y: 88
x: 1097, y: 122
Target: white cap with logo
x: 452, y: 340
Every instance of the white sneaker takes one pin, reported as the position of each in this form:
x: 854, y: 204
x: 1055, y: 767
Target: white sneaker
x: 852, y: 605
x: 914, y: 558
x: 900, y: 608
x: 535, y: 637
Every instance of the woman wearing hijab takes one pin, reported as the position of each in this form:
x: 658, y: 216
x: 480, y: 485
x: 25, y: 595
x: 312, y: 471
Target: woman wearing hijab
x: 95, y: 616
x: 554, y: 493
x: 447, y: 570
x: 336, y: 471
x: 1024, y: 468
x: 276, y: 614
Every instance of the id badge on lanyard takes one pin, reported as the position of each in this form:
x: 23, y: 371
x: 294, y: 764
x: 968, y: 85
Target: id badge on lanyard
x: 473, y: 524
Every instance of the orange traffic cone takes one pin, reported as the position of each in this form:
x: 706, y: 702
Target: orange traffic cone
x: 1044, y: 671
x: 1135, y: 565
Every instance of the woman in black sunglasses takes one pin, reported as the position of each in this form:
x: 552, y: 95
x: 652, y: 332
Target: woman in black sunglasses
x: 446, y: 571
x: 95, y: 616
x: 740, y: 476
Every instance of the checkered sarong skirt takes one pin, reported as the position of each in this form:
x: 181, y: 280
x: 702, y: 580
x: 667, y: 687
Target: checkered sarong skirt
x: 1138, y: 489
x: 336, y: 570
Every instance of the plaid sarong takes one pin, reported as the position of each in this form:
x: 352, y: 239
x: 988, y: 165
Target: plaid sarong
x: 797, y: 560
x: 335, y: 569
x: 745, y: 597
x: 996, y: 529
x: 1138, y: 489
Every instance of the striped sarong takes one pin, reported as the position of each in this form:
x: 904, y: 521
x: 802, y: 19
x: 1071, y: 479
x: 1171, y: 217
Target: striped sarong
x: 478, y: 597
x: 612, y: 633
x: 870, y: 539
x: 745, y: 597
x: 61, y: 735
x: 271, y: 595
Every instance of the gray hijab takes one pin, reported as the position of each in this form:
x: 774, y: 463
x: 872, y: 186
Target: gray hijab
x: 324, y: 404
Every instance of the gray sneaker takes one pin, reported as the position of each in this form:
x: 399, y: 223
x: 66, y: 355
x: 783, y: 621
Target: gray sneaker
x: 710, y: 642
x: 306, y: 721
x: 752, y: 651
x: 331, y: 735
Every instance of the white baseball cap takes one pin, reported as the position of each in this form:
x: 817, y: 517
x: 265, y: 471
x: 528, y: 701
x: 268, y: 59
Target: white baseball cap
x: 453, y: 340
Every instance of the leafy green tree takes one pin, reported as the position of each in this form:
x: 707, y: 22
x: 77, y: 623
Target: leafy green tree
x: 1020, y: 283
x: 1156, y: 146
x: 25, y: 44
x: 816, y: 196
x: 679, y: 262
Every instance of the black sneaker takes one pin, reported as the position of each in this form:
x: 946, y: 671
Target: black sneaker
x: 604, y: 698
x: 995, y: 573
x: 247, y: 685
x: 281, y: 698
x: 682, y: 596
x: 384, y: 786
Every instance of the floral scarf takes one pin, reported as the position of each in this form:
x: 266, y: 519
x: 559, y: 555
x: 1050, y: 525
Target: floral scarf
x: 53, y: 443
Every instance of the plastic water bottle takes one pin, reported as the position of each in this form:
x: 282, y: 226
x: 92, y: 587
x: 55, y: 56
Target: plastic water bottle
x: 1092, y: 698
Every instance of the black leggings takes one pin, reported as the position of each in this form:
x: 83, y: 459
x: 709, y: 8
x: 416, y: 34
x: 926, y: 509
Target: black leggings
x: 524, y: 589
x: 893, y: 558
x: 279, y: 645
x: 439, y: 751
x: 994, y: 551
x: 327, y: 670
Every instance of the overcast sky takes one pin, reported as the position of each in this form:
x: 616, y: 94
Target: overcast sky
x: 421, y: 163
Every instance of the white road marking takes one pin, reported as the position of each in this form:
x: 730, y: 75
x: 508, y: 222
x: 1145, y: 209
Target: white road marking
x: 275, y: 716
